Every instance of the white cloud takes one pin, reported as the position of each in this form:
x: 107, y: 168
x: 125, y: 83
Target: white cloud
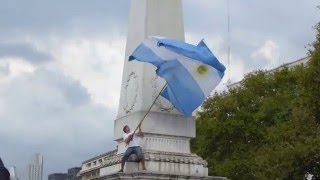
x: 46, y: 111
x: 67, y: 105
x: 14, y: 67
x: 4, y: 69
x: 96, y: 63
x: 268, y: 52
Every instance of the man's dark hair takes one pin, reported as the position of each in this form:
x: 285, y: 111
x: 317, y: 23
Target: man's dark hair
x: 4, y: 173
x: 124, y: 128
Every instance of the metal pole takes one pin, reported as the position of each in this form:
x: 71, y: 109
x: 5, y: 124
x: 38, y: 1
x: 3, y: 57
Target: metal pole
x: 149, y: 109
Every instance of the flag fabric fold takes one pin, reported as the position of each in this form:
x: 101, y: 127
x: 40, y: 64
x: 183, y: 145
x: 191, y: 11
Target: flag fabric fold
x: 191, y: 72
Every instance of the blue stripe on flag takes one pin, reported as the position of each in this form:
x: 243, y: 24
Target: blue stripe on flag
x: 210, y: 57
x: 221, y: 74
x: 200, y: 52
x: 143, y: 53
x: 183, y: 91
x: 167, y: 93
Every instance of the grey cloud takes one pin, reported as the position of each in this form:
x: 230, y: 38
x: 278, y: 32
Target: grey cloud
x: 25, y: 51
x: 289, y: 24
x: 59, y: 155
x: 44, y: 86
x: 72, y: 90
x: 260, y: 17
x: 51, y: 113
x: 41, y: 17
x: 252, y: 22
x: 4, y: 70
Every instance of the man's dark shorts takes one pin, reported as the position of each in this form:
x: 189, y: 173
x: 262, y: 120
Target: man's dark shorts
x: 133, y: 150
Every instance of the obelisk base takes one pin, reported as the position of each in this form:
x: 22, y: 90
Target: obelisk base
x: 159, y: 165
x: 148, y: 176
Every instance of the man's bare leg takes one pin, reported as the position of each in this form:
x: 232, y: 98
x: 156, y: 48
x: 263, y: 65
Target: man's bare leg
x: 143, y: 162
x: 122, y: 165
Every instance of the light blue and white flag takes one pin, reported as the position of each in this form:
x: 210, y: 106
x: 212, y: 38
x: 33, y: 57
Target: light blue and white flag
x: 191, y: 72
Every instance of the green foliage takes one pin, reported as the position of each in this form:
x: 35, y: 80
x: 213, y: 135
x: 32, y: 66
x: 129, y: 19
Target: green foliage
x: 268, y: 128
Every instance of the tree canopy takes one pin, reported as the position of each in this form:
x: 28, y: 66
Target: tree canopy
x: 267, y: 128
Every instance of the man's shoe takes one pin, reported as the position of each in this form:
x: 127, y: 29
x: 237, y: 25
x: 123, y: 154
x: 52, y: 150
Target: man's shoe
x: 120, y: 171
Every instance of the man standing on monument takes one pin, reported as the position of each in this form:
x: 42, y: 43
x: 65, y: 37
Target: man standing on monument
x: 131, y: 140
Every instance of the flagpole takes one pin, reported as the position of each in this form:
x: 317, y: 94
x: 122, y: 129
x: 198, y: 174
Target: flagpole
x: 150, y: 108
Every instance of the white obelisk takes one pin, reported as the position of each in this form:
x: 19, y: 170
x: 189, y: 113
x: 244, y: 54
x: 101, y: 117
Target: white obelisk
x: 147, y: 18
x: 140, y: 85
x: 166, y: 143
x: 166, y: 131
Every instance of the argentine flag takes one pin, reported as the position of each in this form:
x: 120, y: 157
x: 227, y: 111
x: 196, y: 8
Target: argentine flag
x: 191, y: 72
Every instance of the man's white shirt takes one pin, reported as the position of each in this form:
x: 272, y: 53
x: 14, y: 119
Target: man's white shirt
x: 134, y: 142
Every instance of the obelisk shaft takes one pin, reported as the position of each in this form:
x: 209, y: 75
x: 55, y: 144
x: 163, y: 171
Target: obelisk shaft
x: 140, y: 84
x: 147, y: 18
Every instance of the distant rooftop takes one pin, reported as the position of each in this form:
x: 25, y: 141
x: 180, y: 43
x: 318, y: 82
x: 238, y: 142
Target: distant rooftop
x: 100, y: 156
x: 285, y: 65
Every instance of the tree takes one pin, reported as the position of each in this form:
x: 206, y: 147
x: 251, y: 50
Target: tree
x: 268, y: 128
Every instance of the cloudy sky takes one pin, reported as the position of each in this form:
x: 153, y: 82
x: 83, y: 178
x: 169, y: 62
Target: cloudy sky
x: 61, y: 65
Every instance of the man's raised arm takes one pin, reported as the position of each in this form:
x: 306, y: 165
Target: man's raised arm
x: 139, y: 133
x: 128, y: 139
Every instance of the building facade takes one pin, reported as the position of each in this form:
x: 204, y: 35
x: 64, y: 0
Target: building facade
x: 57, y: 176
x: 72, y: 173
x: 35, y: 168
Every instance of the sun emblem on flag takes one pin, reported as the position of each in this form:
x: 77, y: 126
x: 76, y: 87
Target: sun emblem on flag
x: 202, y: 69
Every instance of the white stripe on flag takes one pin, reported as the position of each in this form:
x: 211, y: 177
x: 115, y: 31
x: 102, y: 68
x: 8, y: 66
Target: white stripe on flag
x: 207, y: 81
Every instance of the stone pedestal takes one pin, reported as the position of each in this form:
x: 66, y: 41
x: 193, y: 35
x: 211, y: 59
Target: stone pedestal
x: 163, y: 132
x: 166, y: 148
x: 160, y: 165
x: 166, y: 145
x: 154, y: 176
